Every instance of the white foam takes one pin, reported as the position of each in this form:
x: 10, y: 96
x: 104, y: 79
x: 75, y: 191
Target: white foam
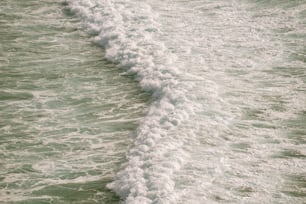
x: 127, y: 30
x: 205, y: 63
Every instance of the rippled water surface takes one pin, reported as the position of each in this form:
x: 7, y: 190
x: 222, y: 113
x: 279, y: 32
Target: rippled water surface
x: 160, y: 102
x: 67, y: 114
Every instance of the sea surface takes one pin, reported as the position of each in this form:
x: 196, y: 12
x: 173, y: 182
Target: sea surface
x: 152, y: 102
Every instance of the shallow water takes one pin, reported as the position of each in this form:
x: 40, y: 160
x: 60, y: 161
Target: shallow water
x: 221, y: 120
x: 67, y: 114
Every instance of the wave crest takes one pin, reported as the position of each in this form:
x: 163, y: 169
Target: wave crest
x: 130, y: 35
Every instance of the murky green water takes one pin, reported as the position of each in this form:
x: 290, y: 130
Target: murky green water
x: 67, y: 115
x: 229, y: 127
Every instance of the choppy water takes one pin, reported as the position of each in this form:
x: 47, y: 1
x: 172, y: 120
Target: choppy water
x: 67, y: 114
x: 225, y: 121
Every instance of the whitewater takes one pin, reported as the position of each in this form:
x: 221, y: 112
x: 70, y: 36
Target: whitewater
x: 222, y: 114
x: 226, y: 78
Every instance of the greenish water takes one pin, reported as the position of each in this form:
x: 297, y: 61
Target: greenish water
x: 67, y: 114
x: 227, y: 118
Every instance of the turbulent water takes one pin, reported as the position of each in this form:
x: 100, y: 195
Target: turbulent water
x: 67, y: 114
x: 164, y: 101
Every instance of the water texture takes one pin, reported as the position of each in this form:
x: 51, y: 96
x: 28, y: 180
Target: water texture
x: 220, y: 117
x: 67, y: 114
x: 228, y: 83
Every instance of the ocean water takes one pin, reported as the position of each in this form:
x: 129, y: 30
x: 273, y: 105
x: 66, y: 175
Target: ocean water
x: 67, y: 114
x: 165, y: 102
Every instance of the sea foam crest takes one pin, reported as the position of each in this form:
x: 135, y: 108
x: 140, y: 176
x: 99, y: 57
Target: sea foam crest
x: 129, y: 33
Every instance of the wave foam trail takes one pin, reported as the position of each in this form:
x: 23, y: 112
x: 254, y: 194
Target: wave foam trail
x: 227, y: 80
x: 127, y: 30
